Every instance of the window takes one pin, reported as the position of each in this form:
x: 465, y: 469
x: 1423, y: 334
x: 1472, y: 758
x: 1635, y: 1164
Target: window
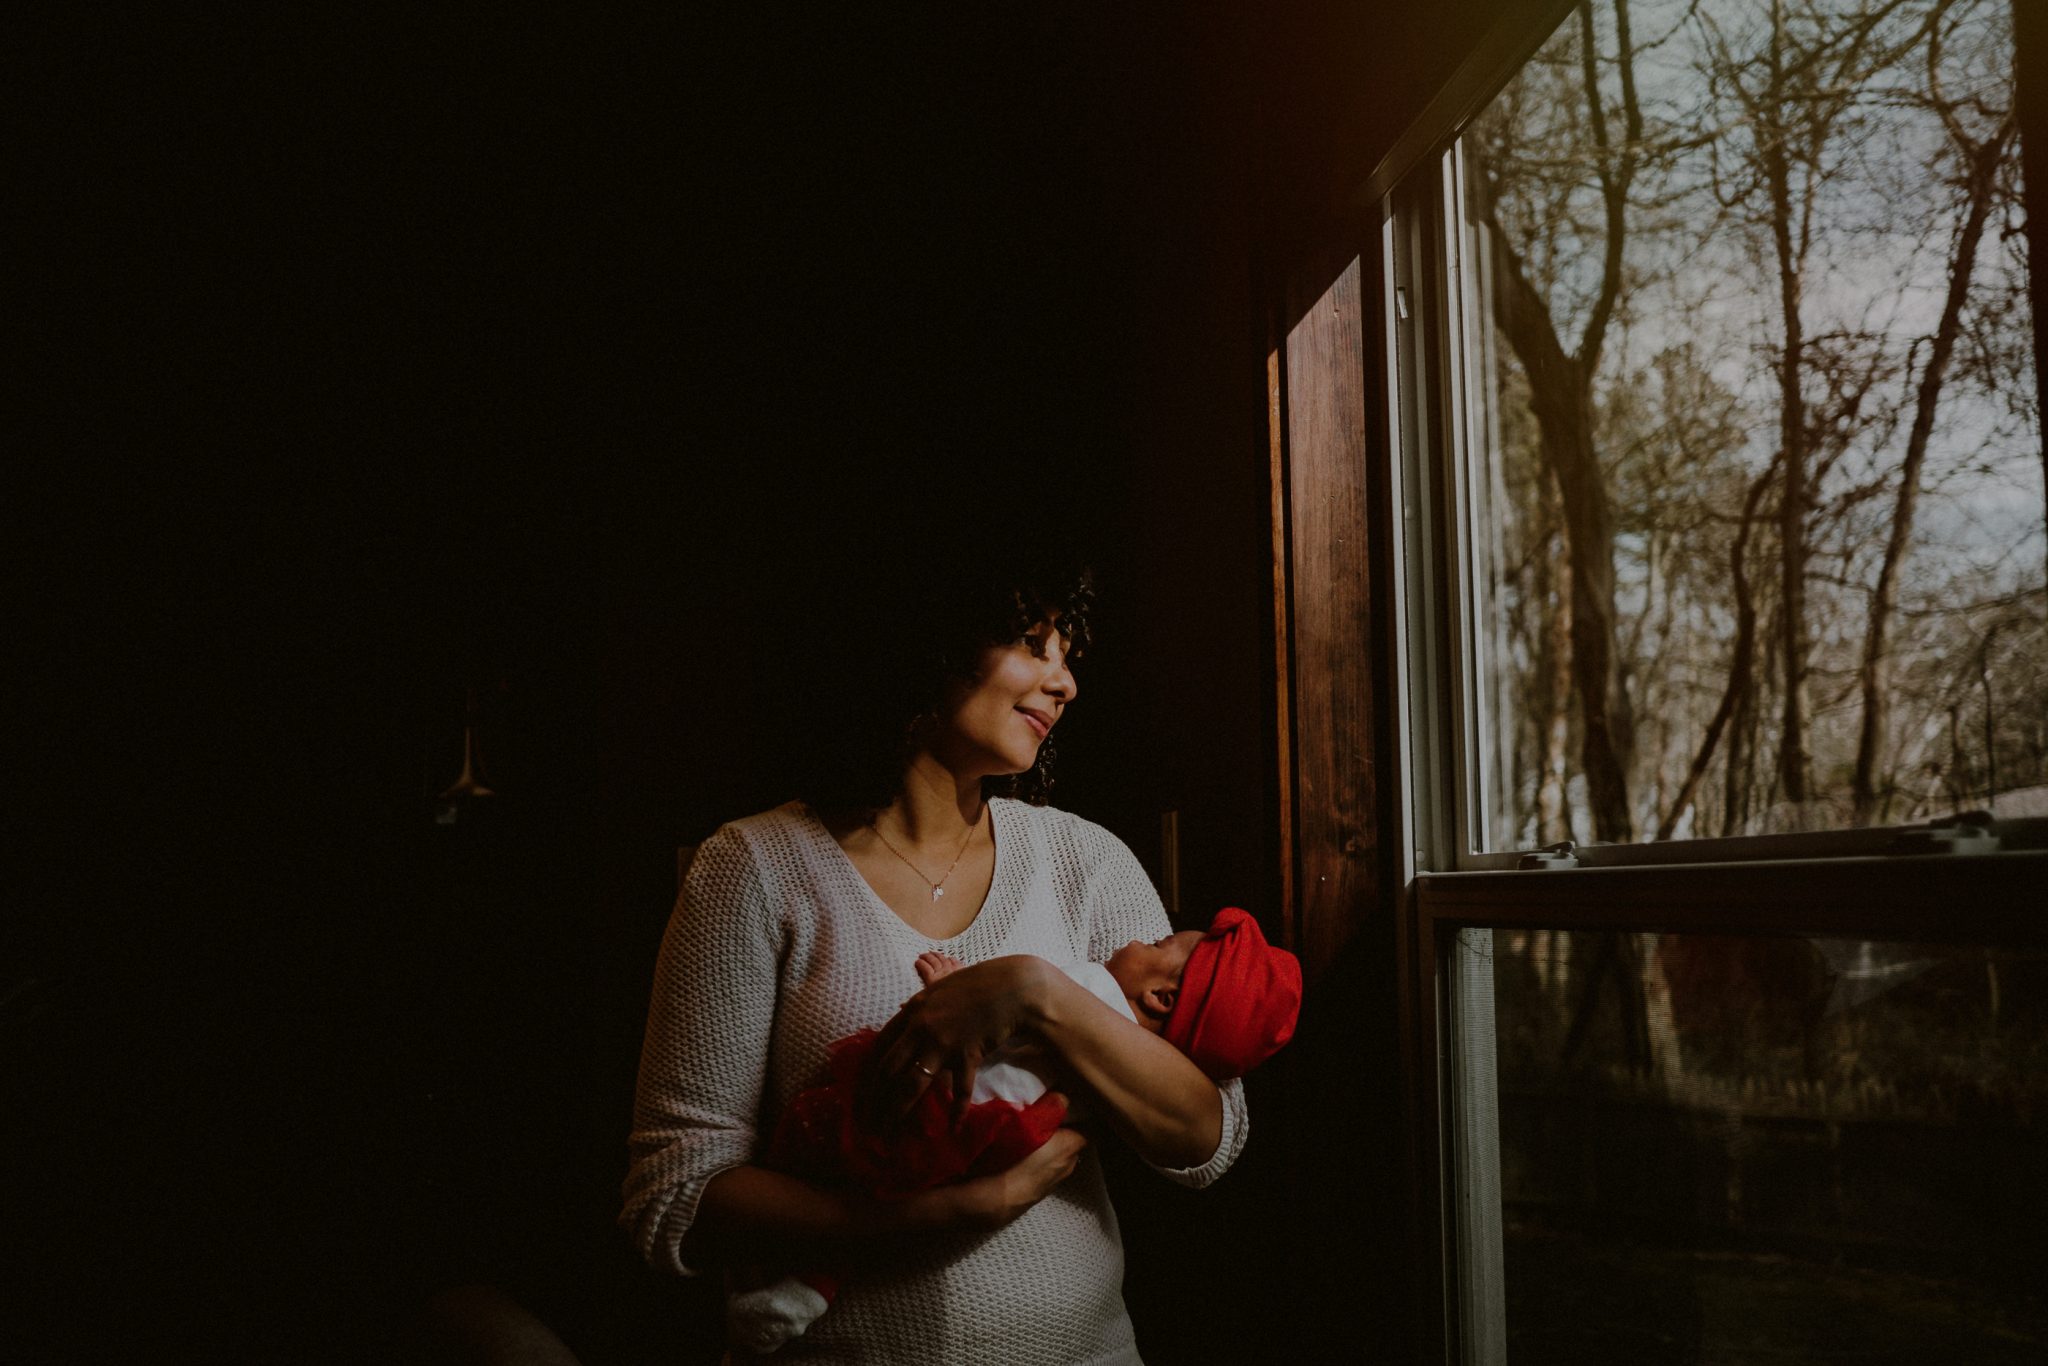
x: 1718, y: 513
x: 1797, y: 1119
x: 1746, y: 463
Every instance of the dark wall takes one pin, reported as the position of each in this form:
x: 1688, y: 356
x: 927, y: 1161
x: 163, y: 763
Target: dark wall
x: 583, y: 358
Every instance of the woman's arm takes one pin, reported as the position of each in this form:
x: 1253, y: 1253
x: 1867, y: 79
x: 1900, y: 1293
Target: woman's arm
x: 754, y: 1214
x: 1118, y: 905
x: 1173, y: 1116
x: 1161, y: 1103
x: 704, y: 1059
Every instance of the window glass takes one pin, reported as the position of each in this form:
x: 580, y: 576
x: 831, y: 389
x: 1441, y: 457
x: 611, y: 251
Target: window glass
x: 1768, y: 1149
x: 1752, y: 459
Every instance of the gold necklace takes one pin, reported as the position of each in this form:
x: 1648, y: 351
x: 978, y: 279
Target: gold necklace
x: 939, y: 887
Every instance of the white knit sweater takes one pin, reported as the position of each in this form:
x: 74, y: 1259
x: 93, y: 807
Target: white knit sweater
x: 777, y: 947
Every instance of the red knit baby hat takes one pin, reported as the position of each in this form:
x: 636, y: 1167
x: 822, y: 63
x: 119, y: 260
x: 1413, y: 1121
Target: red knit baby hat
x: 1239, y: 998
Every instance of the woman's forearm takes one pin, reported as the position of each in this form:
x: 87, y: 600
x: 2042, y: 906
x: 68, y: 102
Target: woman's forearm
x: 1160, y: 1102
x: 752, y: 1214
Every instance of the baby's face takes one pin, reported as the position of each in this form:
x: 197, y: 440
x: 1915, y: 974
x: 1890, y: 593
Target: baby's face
x: 1150, y: 973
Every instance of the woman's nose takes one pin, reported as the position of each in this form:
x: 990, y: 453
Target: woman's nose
x: 1062, y: 684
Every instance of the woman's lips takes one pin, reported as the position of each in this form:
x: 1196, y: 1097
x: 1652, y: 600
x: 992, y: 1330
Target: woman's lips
x: 1035, y: 724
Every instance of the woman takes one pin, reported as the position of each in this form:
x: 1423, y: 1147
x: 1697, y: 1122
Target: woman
x: 801, y: 924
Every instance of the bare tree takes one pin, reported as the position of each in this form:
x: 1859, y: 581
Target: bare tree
x: 1554, y: 676
x: 1561, y: 395
x: 1980, y: 159
x: 1741, y: 665
x: 1762, y: 354
x: 1795, y: 96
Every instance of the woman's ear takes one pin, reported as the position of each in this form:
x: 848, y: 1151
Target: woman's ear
x: 1158, y: 1001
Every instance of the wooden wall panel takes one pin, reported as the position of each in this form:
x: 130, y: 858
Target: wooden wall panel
x: 1283, y: 644
x: 1334, y: 820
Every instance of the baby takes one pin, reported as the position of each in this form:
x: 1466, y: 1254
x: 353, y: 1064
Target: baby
x: 1224, y: 997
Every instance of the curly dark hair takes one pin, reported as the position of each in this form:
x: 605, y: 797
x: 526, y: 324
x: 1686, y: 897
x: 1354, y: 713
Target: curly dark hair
x: 929, y: 638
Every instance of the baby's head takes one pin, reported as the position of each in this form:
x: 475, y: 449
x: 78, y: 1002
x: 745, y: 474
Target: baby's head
x: 1225, y: 997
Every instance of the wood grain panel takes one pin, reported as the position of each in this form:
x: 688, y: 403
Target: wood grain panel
x: 1283, y: 671
x: 1335, y: 822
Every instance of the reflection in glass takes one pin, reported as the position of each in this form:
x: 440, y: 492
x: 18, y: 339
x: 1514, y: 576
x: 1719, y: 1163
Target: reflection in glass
x: 1752, y: 1150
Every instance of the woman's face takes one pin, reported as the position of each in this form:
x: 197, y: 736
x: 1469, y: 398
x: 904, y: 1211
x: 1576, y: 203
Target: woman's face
x: 996, y: 724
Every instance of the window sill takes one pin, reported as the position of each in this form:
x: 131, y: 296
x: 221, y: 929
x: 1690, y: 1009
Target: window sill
x: 1976, y: 897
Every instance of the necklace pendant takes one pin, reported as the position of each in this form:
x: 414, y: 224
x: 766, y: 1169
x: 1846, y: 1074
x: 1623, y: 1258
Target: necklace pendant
x: 938, y: 892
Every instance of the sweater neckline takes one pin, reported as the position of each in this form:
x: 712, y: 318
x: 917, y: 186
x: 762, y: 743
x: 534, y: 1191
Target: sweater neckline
x: 998, y: 832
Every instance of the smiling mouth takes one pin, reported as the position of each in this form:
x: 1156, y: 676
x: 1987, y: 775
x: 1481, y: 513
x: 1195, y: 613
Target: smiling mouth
x: 1036, y: 725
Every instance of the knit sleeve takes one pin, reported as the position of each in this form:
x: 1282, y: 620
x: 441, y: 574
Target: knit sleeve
x: 1119, y: 906
x: 1237, y: 1126
x: 704, y: 1060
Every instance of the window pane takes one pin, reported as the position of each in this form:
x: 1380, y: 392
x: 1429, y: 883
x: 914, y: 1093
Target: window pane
x: 1741, y: 1150
x: 1755, y: 463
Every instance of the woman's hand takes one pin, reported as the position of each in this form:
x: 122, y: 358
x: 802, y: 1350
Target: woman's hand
x: 1157, y: 1100
x: 948, y: 1028
x: 751, y: 1214
x: 989, y: 1202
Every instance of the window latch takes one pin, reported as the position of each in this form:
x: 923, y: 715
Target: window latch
x: 1966, y: 832
x: 1559, y: 855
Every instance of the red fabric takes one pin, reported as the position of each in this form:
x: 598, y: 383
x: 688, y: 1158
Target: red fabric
x: 818, y: 1138
x: 1239, y: 998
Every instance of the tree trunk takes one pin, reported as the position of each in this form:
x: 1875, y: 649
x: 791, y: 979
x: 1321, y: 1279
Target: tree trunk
x: 1553, y: 817
x: 1743, y: 726
x: 1873, y: 677
x: 1741, y: 758
x: 1794, y: 762
x: 1741, y: 668
x: 1560, y: 395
